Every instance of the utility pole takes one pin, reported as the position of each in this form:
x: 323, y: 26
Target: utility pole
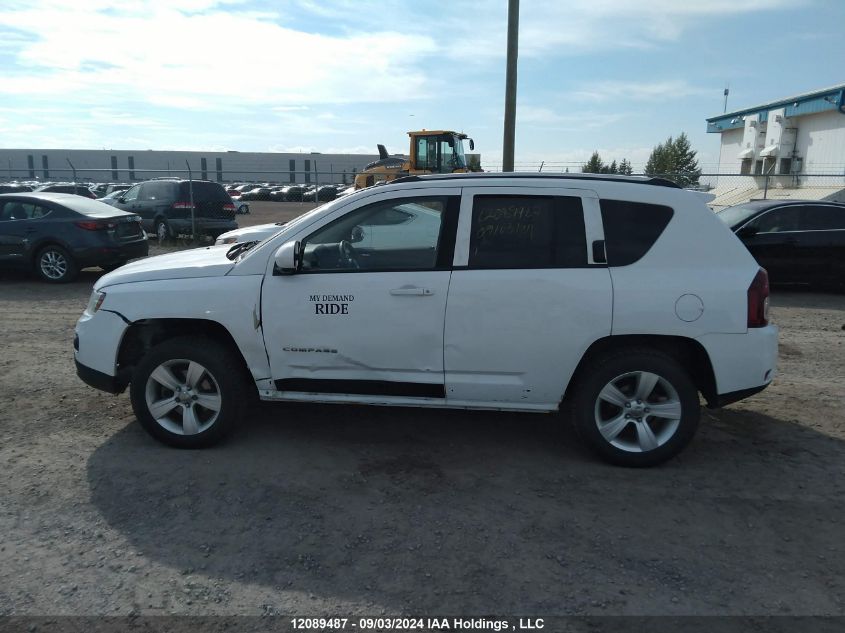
x: 510, y: 86
x: 727, y: 92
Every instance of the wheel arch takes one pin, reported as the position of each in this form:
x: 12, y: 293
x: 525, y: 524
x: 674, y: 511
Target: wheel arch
x: 143, y: 335
x: 50, y: 240
x: 686, y: 351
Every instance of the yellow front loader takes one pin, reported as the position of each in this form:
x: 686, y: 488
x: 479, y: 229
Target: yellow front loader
x: 432, y: 152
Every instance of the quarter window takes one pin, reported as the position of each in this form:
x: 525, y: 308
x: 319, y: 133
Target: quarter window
x: 373, y: 239
x: 631, y: 229
x: 132, y: 194
x: 527, y: 232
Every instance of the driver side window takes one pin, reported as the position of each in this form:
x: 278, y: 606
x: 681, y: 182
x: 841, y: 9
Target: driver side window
x: 132, y: 194
x: 392, y: 235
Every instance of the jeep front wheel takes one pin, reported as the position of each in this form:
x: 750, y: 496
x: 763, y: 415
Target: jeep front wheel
x: 186, y: 393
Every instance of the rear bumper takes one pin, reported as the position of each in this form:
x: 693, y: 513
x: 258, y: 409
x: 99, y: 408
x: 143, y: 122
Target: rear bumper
x: 204, y: 225
x: 111, y: 253
x: 724, y: 399
x: 743, y: 364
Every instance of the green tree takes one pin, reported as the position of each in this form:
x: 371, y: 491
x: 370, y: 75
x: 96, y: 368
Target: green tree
x: 594, y: 165
x: 625, y: 167
x: 675, y: 159
x: 612, y: 168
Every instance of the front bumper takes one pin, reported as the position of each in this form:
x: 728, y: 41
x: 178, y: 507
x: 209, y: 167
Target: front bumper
x: 99, y: 380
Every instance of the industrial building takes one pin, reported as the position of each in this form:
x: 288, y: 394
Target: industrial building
x: 128, y: 165
x: 788, y: 148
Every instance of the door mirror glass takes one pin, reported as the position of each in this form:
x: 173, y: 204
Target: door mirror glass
x: 471, y: 145
x: 287, y: 259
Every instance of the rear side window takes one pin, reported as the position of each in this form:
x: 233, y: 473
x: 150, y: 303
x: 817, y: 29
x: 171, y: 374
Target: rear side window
x: 527, y: 232
x: 205, y: 192
x: 823, y: 218
x: 159, y: 190
x: 631, y: 229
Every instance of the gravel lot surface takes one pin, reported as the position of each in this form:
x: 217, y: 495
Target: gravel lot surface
x: 350, y: 510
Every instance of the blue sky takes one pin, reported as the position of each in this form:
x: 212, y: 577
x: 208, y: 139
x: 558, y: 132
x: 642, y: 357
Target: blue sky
x: 618, y: 76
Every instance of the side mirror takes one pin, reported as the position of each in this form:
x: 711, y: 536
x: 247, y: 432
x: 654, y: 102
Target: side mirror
x: 749, y: 230
x: 121, y: 200
x: 357, y: 235
x: 287, y: 259
x: 471, y: 145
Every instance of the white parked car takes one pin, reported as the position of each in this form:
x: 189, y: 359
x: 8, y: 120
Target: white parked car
x: 625, y: 297
x: 255, y: 233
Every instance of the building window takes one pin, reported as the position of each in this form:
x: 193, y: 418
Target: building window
x: 758, y: 168
x: 745, y: 167
x: 45, y: 166
x: 785, y: 166
x: 204, y: 169
x: 131, y: 163
x: 307, y: 170
x: 218, y: 165
x: 292, y: 168
x: 114, y: 175
x: 30, y: 163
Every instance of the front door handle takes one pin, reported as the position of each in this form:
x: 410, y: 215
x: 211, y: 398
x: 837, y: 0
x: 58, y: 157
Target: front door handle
x: 412, y: 291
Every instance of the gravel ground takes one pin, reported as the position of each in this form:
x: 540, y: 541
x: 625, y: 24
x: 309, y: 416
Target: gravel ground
x: 348, y: 510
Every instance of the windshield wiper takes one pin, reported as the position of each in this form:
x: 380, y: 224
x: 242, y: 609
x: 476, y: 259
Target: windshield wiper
x: 239, y: 249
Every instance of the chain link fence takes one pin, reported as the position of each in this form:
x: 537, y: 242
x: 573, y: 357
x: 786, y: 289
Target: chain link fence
x: 726, y: 189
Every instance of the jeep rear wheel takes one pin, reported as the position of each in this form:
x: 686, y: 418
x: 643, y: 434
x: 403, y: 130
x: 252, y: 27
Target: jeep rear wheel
x: 636, y: 407
x: 187, y: 392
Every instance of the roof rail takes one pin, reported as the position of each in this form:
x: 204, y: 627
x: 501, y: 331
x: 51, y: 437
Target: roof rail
x: 637, y: 180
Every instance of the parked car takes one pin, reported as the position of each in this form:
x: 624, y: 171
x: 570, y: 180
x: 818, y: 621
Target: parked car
x: 57, y: 234
x: 103, y: 189
x: 294, y: 193
x: 111, y: 198
x: 796, y: 241
x: 241, y: 207
x: 165, y: 207
x: 324, y: 194
x: 14, y: 188
x: 622, y: 296
x: 255, y: 233
x: 79, y: 190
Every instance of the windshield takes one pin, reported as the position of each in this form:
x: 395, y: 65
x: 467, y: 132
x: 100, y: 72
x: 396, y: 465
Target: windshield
x: 452, y: 151
x: 323, y: 208
x: 734, y: 216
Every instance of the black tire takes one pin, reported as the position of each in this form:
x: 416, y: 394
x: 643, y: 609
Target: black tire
x: 162, y: 229
x: 55, y: 265
x: 222, y: 377
x: 623, y: 370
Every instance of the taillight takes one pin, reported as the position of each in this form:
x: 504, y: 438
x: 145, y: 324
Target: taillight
x: 228, y: 207
x: 758, y: 300
x: 91, y: 225
x: 182, y: 205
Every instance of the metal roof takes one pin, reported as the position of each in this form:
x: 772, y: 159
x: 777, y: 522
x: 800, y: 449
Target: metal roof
x: 825, y: 99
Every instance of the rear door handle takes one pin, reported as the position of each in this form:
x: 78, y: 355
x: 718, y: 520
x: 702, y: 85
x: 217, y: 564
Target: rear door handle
x: 412, y: 291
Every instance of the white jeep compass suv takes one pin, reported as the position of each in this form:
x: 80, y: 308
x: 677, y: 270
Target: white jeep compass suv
x: 623, y: 297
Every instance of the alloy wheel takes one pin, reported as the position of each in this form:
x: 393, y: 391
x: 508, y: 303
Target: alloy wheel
x: 183, y: 397
x: 53, y: 264
x: 638, y: 411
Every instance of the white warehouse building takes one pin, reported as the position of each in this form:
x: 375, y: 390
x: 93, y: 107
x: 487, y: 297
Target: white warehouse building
x: 789, y: 148
x: 128, y: 166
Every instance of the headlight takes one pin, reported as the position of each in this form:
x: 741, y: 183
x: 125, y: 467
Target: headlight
x: 95, y: 302
x: 226, y: 240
